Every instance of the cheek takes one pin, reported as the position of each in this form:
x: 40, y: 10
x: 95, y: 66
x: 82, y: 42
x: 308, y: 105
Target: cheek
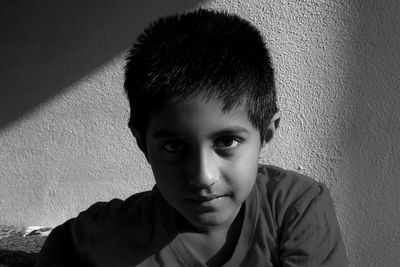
x: 166, y: 170
x: 166, y: 173
x: 243, y: 174
x: 249, y: 159
x: 167, y: 183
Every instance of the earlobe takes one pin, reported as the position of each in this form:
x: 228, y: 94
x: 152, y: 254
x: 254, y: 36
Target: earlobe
x: 276, y: 120
x: 134, y: 132
x: 273, y: 125
x: 139, y: 140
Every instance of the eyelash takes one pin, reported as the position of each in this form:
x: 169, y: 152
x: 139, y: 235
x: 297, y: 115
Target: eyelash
x: 231, y: 139
x: 182, y: 145
x: 173, y: 142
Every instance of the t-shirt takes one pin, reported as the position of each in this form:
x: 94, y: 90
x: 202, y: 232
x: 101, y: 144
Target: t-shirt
x: 289, y: 220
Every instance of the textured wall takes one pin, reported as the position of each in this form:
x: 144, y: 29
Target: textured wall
x: 64, y: 143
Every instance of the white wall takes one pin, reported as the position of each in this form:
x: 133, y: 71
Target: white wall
x: 64, y: 143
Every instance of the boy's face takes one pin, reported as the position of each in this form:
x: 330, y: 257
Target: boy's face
x: 204, y: 161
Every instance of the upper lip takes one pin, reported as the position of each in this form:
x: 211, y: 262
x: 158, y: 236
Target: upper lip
x: 205, y: 198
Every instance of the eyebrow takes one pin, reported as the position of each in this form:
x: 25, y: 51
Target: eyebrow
x: 227, y: 131
x: 235, y: 130
x: 165, y: 134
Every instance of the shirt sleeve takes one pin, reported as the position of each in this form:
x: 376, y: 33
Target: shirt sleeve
x: 58, y: 249
x: 310, y: 231
x: 64, y: 246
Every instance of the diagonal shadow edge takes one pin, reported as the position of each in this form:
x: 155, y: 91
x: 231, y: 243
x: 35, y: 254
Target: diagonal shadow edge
x: 46, y: 46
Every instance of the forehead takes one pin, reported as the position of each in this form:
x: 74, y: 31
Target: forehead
x: 197, y: 115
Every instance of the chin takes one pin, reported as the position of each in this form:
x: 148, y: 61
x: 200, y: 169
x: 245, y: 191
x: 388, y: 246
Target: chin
x: 208, y: 221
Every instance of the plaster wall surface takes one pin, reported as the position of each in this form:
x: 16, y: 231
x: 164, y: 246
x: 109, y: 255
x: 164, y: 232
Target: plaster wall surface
x: 64, y: 140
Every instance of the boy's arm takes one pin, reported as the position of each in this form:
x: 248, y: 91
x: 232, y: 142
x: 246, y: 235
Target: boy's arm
x: 58, y: 250
x: 311, y: 234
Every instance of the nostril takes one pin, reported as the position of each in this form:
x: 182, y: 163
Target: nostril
x: 203, y: 178
x: 203, y: 169
x: 202, y: 181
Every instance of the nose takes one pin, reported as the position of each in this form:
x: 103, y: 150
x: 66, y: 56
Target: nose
x: 204, y: 169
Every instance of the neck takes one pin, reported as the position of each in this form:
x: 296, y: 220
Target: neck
x: 213, y: 246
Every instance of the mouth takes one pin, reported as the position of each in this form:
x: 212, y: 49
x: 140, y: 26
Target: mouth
x: 206, y: 199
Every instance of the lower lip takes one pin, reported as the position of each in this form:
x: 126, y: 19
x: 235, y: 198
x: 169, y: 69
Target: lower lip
x: 212, y: 203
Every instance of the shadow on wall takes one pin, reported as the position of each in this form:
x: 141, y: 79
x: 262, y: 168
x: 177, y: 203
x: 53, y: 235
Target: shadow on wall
x: 374, y: 136
x: 47, y: 45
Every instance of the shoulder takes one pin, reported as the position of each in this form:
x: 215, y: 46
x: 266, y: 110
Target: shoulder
x: 111, y: 211
x: 102, y: 228
x: 302, y: 212
x: 287, y: 196
x: 104, y: 221
x: 288, y: 186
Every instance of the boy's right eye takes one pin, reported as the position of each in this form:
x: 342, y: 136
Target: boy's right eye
x: 174, y: 146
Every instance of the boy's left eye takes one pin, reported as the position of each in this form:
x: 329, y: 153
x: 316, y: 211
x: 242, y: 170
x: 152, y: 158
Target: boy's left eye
x: 174, y: 146
x: 227, y: 143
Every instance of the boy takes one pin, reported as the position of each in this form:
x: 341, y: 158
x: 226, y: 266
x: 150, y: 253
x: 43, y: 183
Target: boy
x: 203, y: 107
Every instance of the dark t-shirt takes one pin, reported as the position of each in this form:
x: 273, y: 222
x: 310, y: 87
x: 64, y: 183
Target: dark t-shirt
x: 289, y: 220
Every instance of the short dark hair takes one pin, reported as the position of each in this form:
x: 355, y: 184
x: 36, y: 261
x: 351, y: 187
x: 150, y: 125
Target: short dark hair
x: 205, y: 53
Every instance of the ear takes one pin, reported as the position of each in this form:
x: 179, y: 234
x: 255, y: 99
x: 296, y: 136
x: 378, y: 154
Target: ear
x: 271, y: 129
x: 139, y: 140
